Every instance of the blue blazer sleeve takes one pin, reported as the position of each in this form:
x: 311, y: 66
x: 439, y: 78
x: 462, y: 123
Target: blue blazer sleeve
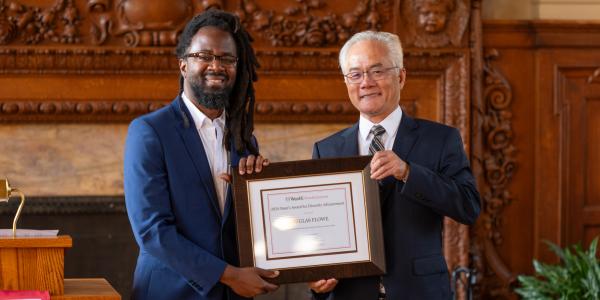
x: 450, y: 190
x: 148, y: 202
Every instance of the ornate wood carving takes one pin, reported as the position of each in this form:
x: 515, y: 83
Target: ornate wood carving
x: 87, y: 61
x: 477, y: 149
x: 32, y: 25
x: 339, y: 111
x: 298, y: 62
x: 315, y: 112
x: 163, y: 61
x: 451, y: 66
x: 497, y: 163
x: 139, y: 22
x: 309, y: 23
x: 434, y: 23
x: 79, y: 111
x: 147, y: 60
x: 125, y: 111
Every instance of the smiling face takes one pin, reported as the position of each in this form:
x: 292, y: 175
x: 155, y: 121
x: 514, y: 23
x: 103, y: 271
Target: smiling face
x: 209, y: 83
x: 374, y: 99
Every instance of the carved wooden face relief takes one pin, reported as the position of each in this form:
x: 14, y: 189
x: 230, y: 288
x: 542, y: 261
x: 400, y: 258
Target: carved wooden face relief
x: 432, y: 16
x: 375, y: 99
x: 209, y: 71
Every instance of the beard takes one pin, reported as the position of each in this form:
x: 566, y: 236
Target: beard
x: 212, y: 98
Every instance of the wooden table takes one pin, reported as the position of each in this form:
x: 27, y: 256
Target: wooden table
x: 88, y: 289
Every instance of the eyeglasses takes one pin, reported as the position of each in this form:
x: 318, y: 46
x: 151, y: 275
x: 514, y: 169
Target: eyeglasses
x: 376, y: 73
x: 207, y: 58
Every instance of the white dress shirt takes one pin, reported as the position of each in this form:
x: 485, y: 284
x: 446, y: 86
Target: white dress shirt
x: 211, y: 134
x: 390, y: 123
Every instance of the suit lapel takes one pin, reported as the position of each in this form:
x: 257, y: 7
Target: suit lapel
x: 233, y: 161
x: 406, y: 137
x: 349, y: 142
x: 228, y: 200
x: 193, y: 143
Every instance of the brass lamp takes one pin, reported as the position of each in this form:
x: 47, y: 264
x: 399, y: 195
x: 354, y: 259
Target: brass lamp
x: 5, y: 193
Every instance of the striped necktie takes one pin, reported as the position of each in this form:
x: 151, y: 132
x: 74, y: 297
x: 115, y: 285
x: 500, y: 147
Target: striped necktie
x: 376, y: 143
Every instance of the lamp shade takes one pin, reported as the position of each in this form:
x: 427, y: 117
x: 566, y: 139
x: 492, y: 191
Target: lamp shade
x: 4, y: 190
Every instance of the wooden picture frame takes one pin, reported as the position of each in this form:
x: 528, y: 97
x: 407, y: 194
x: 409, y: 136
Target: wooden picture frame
x: 310, y: 219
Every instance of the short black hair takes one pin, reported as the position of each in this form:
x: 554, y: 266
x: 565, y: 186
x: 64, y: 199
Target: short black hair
x: 240, y: 114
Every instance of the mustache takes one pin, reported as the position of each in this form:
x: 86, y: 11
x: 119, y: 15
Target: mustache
x: 213, y: 73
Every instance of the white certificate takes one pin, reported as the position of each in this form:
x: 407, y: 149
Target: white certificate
x: 311, y: 221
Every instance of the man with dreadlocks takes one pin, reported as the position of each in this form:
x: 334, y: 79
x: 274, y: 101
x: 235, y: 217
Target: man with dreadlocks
x: 176, y: 159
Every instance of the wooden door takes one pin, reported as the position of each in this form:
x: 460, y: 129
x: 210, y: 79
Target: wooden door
x: 567, y: 200
x: 582, y: 153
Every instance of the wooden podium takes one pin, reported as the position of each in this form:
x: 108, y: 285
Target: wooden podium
x: 37, y: 263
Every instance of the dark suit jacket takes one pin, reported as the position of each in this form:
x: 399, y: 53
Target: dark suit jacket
x: 185, y: 242
x: 440, y: 184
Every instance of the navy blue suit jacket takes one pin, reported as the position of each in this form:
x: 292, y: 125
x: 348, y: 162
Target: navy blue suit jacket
x: 185, y: 243
x: 440, y: 184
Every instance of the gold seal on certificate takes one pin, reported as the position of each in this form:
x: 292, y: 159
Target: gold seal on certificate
x: 310, y: 219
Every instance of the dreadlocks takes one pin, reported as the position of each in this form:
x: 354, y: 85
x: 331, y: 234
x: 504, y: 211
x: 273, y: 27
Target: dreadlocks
x: 240, y: 114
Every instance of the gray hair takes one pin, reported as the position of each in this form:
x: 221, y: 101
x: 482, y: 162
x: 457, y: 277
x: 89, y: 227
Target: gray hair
x: 389, y: 40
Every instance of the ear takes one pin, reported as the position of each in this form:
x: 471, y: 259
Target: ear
x: 183, y: 67
x: 402, y: 77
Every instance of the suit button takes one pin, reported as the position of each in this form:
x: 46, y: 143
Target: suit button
x: 419, y: 196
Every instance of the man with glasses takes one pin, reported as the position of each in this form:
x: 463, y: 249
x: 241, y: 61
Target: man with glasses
x: 422, y: 170
x: 176, y: 164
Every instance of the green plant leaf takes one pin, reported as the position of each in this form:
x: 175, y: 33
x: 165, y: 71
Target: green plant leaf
x: 576, y: 277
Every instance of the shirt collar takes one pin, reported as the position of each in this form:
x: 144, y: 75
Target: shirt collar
x: 390, y: 123
x: 200, y: 119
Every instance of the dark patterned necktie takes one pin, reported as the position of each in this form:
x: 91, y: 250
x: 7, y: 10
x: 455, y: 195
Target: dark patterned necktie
x: 376, y: 146
x: 376, y: 143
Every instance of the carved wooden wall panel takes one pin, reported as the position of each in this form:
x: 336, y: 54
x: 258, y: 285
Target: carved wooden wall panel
x: 296, y: 41
x: 541, y: 74
x: 495, y: 164
x: 103, y: 61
